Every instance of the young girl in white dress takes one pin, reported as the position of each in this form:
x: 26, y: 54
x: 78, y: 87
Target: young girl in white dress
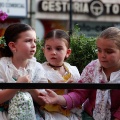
x: 57, y: 50
x: 19, y: 66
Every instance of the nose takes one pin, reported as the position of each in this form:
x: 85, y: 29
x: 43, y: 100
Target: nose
x: 53, y: 52
x: 33, y: 44
x: 103, y: 54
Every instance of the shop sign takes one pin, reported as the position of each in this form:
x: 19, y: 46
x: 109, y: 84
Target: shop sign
x: 14, y: 8
x: 95, y: 7
x: 93, y: 29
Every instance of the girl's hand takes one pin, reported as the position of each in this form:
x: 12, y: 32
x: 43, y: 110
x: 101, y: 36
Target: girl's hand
x: 116, y: 119
x: 69, y: 81
x: 52, y: 98
x: 24, y: 79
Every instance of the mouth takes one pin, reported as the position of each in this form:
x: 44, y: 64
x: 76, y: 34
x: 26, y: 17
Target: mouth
x: 104, y: 61
x: 53, y: 58
x: 32, y: 51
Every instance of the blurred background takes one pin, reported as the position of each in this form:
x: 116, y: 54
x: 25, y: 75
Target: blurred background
x: 92, y: 16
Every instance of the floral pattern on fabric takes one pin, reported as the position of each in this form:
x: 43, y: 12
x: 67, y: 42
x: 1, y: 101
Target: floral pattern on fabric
x: 102, y: 107
x: 93, y: 73
x: 21, y: 107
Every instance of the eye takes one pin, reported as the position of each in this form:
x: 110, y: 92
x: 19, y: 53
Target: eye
x: 28, y: 40
x: 59, y: 48
x: 48, y: 48
x: 109, y: 52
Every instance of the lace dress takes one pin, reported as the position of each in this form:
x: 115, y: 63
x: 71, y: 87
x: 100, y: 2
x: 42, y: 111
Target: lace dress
x: 21, y: 106
x: 56, y: 112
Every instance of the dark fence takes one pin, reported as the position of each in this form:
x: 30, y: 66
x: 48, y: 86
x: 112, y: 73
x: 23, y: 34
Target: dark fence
x: 59, y: 86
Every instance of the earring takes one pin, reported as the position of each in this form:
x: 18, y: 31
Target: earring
x: 14, y: 51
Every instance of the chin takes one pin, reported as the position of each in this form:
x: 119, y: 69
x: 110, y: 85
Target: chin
x: 30, y: 57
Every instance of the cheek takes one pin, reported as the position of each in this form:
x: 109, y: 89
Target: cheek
x: 98, y: 55
x: 46, y: 54
x: 113, y: 58
x: 25, y: 48
x: 64, y: 55
x: 117, y: 57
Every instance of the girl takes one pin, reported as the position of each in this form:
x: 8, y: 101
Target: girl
x: 18, y: 65
x: 57, y: 50
x: 98, y: 104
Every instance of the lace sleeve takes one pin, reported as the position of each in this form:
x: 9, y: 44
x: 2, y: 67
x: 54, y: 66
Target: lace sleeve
x: 39, y: 75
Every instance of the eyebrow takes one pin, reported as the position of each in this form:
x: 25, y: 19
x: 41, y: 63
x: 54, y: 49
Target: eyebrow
x: 56, y: 46
x: 106, y: 48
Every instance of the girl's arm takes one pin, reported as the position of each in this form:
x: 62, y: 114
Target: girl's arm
x: 34, y: 93
x: 117, y: 114
x: 7, y: 94
x: 71, y: 100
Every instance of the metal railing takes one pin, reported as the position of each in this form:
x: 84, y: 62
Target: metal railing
x: 59, y: 86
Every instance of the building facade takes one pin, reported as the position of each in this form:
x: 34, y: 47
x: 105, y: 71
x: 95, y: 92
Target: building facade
x: 92, y: 16
x: 17, y: 12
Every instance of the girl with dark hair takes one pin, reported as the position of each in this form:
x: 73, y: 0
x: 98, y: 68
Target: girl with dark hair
x: 18, y: 65
x: 57, y: 50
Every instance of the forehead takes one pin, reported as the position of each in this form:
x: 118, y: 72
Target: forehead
x: 57, y: 41
x: 27, y: 33
x: 106, y: 43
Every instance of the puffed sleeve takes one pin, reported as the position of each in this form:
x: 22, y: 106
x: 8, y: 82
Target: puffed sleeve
x: 39, y: 74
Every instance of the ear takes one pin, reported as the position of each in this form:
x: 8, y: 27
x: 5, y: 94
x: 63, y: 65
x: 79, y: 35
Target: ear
x: 12, y: 46
x: 68, y: 53
x: 43, y: 50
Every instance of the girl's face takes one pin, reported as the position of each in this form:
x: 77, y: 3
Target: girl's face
x: 108, y: 54
x: 25, y: 46
x: 55, y: 51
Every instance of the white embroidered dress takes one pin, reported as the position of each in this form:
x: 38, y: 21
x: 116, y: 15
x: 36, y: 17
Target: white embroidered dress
x: 54, y: 76
x: 20, y: 109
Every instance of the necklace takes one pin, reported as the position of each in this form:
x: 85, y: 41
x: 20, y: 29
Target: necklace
x: 55, y: 66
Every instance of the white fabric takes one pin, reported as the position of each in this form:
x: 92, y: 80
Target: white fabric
x: 102, y: 106
x: 21, y: 107
x: 8, y: 74
x: 93, y: 73
x: 54, y: 76
x: 35, y: 70
x: 58, y: 116
x: 103, y: 100
x: 3, y: 116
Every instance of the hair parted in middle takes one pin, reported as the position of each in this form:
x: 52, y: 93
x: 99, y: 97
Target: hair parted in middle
x: 58, y: 34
